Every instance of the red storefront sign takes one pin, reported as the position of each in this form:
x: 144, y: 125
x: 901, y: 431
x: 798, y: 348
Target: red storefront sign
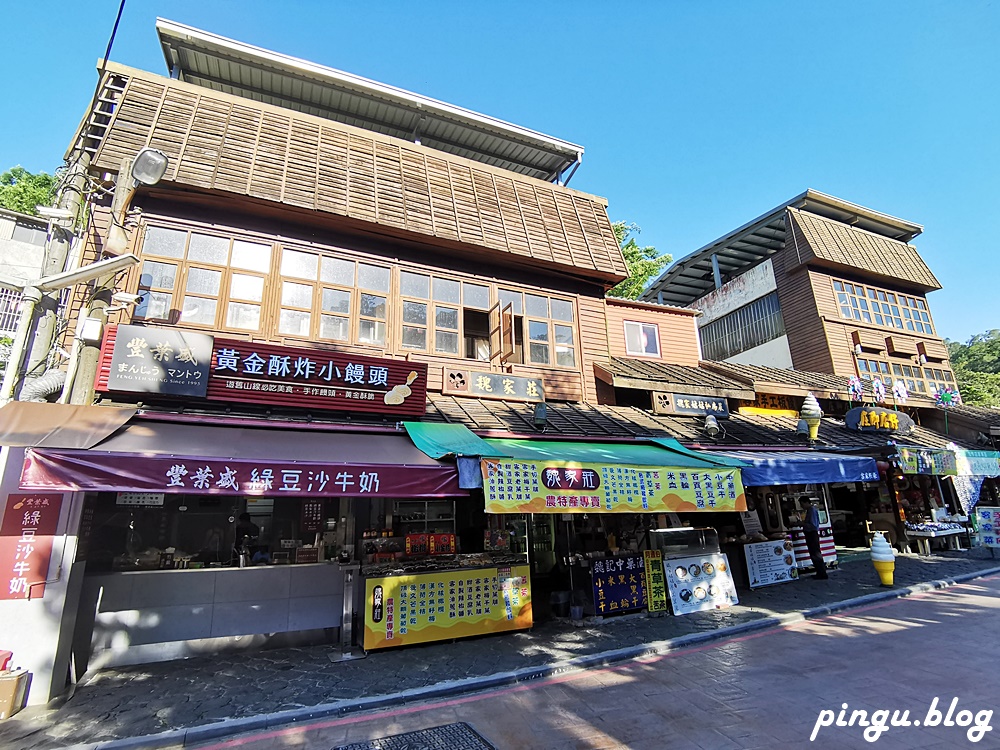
x: 26, y: 535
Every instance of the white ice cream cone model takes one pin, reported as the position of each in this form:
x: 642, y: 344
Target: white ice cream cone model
x: 883, y: 558
x: 812, y: 414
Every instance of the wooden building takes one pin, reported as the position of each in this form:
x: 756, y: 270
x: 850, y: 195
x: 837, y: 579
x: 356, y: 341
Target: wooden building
x: 818, y: 284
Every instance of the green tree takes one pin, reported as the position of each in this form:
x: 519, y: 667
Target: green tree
x: 644, y: 263
x: 21, y: 191
x: 977, y: 368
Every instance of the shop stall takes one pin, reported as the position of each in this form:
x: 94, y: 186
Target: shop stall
x: 928, y: 514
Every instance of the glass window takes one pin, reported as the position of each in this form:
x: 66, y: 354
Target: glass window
x: 565, y: 351
x: 536, y: 306
x: 203, y: 281
x: 373, y: 306
x: 299, y: 264
x: 508, y: 297
x: 209, y: 249
x: 337, y: 271
x: 336, y: 300
x: 294, y: 322
x: 476, y: 296
x: 296, y: 295
x: 642, y: 338
x: 247, y: 287
x: 166, y: 242
x: 198, y: 310
x: 413, y: 284
x: 251, y: 256
x: 415, y: 312
x: 335, y: 327
x: 241, y: 315
x: 374, y: 278
x: 157, y: 275
x: 447, y: 290
x: 371, y: 332
x: 154, y: 306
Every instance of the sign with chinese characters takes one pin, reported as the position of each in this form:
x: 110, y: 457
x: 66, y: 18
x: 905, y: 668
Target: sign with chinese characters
x: 95, y: 471
x: 699, y: 583
x: 656, y: 585
x: 316, y: 379
x: 26, y: 536
x: 877, y: 419
x: 690, y: 404
x: 140, y: 499
x: 976, y: 463
x: 425, y: 607
x: 522, y: 486
x: 619, y: 584
x: 770, y: 562
x: 988, y: 520
x: 493, y: 385
x: 167, y: 361
x: 927, y: 461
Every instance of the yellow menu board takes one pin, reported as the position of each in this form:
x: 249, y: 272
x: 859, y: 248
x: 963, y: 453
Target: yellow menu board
x: 425, y: 607
x: 656, y: 585
x: 524, y: 486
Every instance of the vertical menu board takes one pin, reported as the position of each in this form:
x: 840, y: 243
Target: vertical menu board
x: 656, y: 586
x: 618, y: 584
x: 699, y: 583
x: 26, y: 537
x: 770, y: 562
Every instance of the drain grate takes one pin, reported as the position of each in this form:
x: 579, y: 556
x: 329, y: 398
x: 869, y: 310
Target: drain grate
x: 457, y: 736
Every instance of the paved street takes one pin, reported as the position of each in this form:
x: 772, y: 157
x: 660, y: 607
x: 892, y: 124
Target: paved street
x: 179, y: 701
x: 765, y: 690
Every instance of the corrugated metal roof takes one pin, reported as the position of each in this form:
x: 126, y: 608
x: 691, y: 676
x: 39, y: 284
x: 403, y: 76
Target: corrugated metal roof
x: 662, y: 376
x: 232, y: 67
x: 692, y: 277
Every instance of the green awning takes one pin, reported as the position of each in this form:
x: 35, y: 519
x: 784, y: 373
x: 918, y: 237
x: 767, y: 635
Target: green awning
x: 665, y: 452
x: 439, y: 440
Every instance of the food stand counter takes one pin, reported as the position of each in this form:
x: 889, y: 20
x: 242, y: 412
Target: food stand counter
x: 447, y: 597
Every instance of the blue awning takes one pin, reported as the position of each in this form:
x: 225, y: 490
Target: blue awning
x: 803, y: 467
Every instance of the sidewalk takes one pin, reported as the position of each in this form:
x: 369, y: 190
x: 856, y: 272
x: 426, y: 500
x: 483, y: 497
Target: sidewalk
x: 162, y: 705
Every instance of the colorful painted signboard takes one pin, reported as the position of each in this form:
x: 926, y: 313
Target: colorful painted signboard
x: 618, y: 584
x: 425, y: 607
x: 988, y: 520
x: 926, y: 461
x: 656, y: 586
x: 26, y: 536
x: 770, y: 562
x: 523, y: 486
x: 699, y: 583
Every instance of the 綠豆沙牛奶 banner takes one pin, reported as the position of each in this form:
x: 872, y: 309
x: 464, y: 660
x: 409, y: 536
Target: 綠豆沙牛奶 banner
x: 520, y: 486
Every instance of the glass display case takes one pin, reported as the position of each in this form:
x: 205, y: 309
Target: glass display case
x: 423, y: 517
x: 684, y: 541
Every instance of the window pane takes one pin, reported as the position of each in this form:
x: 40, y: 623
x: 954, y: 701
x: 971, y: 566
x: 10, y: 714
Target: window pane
x: 240, y: 315
x: 564, y: 334
x: 251, y: 256
x: 863, y: 365
x: 372, y: 306
x: 414, y: 338
x: 871, y: 294
x: 371, y: 332
x: 565, y: 356
x: 881, y: 296
x: 476, y: 296
x: 446, y: 290
x: 415, y: 312
x: 203, y: 281
x: 247, y: 287
x: 294, y: 322
x: 651, y: 339
x: 198, y: 310
x: 536, y: 306
x: 299, y: 264
x: 336, y: 300
x: 373, y: 277
x: 159, y: 275
x: 296, y: 295
x: 838, y: 286
x: 509, y: 297
x: 336, y: 271
x: 446, y: 317
x: 445, y: 342
x: 562, y: 309
x: 867, y: 316
x: 154, y: 305
x: 205, y: 247
x: 413, y: 284
x: 539, y: 353
x: 538, y: 330
x: 878, y: 319
x: 168, y: 242
x: 334, y: 327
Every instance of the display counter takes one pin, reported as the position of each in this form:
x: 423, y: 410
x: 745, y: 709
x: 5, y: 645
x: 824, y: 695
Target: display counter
x: 140, y: 616
x: 445, y: 597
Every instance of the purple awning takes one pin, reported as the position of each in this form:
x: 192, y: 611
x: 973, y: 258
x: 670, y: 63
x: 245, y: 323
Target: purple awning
x: 208, y: 459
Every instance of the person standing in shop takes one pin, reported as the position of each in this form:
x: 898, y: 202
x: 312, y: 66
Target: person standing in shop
x: 810, y: 527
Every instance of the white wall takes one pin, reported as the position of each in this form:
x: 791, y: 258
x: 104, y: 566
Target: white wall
x: 734, y: 294
x: 39, y: 631
x: 774, y: 353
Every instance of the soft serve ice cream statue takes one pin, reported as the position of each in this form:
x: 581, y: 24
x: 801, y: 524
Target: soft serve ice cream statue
x: 883, y: 558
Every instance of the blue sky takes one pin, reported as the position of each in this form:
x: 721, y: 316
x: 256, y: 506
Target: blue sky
x: 696, y: 116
